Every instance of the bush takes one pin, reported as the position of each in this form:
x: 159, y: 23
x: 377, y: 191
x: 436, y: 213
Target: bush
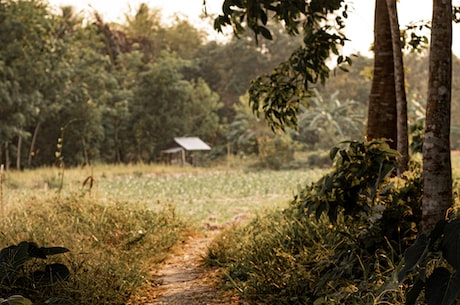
x: 275, y: 153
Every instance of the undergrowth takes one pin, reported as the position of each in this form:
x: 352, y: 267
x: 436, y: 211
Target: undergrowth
x: 340, y: 242
x: 283, y: 259
x: 112, y: 245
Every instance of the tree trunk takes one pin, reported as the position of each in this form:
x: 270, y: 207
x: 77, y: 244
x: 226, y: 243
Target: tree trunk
x: 7, y: 156
x: 32, y: 144
x: 400, y: 88
x: 117, y: 146
x: 381, y: 122
x: 18, y: 153
x: 437, y: 170
x: 85, y: 152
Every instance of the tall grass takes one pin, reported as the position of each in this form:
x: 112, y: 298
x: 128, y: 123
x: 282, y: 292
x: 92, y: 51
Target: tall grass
x: 282, y: 258
x: 112, y: 245
x: 120, y: 221
x: 285, y: 257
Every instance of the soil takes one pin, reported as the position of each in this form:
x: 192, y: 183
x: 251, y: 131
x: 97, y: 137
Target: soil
x: 183, y: 278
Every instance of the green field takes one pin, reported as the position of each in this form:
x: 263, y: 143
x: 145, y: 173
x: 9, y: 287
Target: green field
x: 214, y: 195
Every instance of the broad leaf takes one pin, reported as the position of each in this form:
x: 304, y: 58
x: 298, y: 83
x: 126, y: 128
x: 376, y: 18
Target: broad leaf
x: 436, y: 286
x: 442, y: 288
x: 453, y: 290
x: 414, y: 292
x: 54, y: 250
x: 414, y: 255
x: 52, y: 274
x: 333, y: 152
x: 450, y: 245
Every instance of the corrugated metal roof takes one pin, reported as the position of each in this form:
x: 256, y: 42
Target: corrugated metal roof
x: 192, y: 143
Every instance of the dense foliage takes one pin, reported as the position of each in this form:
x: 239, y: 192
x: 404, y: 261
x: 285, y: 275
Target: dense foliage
x: 111, y: 92
x: 118, y: 93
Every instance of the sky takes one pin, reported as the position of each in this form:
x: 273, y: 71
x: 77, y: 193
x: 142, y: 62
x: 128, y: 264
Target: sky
x: 359, y: 25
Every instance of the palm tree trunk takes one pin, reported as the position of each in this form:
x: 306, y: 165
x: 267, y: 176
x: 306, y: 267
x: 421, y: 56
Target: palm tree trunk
x: 437, y: 168
x: 381, y: 122
x: 400, y: 88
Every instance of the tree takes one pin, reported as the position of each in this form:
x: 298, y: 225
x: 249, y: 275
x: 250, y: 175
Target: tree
x: 279, y: 93
x: 246, y: 132
x: 229, y: 68
x: 402, y: 142
x: 382, y: 115
x: 26, y: 60
x: 166, y: 105
x: 328, y: 121
x: 354, y: 84
x: 437, y: 170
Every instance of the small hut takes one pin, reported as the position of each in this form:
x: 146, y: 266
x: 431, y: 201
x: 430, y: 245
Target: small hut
x: 184, y: 152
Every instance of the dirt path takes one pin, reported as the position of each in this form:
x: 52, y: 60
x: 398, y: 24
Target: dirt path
x: 182, y: 279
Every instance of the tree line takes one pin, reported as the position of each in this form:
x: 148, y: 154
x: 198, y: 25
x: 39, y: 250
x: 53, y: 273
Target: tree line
x: 85, y: 90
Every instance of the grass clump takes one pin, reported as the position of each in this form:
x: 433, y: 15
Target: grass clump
x: 112, y: 245
x: 282, y: 258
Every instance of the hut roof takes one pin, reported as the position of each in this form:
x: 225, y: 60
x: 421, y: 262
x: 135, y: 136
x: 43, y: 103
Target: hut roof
x: 192, y: 143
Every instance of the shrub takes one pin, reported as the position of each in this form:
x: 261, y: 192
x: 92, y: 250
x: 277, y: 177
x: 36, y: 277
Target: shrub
x: 275, y: 153
x: 352, y: 185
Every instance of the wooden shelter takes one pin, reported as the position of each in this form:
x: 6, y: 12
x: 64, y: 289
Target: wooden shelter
x: 183, y: 153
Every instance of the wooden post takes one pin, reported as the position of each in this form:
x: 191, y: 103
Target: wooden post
x: 183, y: 156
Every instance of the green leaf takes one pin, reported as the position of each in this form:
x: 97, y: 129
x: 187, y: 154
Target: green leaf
x: 442, y: 288
x: 333, y: 152
x: 413, y: 256
x: 265, y: 32
x: 15, y: 256
x: 436, y: 285
x: 450, y: 245
x: 319, y: 210
x: 54, y: 250
x: 414, y: 292
x: 453, y: 290
x: 52, y: 274
x: 436, y: 233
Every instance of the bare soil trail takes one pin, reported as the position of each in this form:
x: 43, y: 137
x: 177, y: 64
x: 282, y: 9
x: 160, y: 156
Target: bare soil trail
x: 183, y: 279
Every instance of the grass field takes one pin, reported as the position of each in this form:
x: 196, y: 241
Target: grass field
x: 197, y: 194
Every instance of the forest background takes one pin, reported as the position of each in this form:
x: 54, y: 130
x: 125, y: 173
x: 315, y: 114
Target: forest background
x: 81, y: 91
